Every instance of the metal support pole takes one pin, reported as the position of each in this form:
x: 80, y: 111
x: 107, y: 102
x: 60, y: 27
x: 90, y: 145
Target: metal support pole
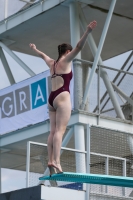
x: 103, y: 73
x: 0, y: 174
x: 132, y: 113
x: 98, y: 94
x: 97, y: 56
x: 88, y: 160
x: 106, y: 171
x: 75, y: 37
x: 78, y: 85
x: 6, y: 67
x: 6, y: 8
x: 124, y: 168
x: 85, y: 80
x: 79, y: 137
x: 94, y: 51
x: 124, y: 174
x: 129, y: 100
x: 80, y: 145
x: 17, y: 59
x: 67, y: 138
x: 28, y: 164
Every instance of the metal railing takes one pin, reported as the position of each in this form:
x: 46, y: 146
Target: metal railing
x: 43, y: 145
x: 87, y: 153
x: 118, y: 78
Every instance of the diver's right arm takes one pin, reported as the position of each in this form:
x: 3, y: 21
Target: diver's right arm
x: 49, y: 61
x: 70, y: 56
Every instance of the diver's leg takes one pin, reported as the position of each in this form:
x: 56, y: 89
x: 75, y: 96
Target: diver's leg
x: 63, y: 113
x: 52, y: 116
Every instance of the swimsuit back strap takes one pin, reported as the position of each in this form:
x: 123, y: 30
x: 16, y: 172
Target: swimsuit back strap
x: 54, y: 66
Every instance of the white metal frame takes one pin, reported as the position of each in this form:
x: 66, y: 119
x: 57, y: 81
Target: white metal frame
x: 27, y: 14
x: 28, y: 2
x: 6, y: 66
x: 45, y: 145
x: 0, y: 175
x: 6, y: 8
x: 96, y: 52
x: 78, y: 128
x: 88, y: 153
x: 17, y: 59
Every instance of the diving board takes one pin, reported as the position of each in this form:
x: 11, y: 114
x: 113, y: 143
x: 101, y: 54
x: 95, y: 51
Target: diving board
x: 92, y: 179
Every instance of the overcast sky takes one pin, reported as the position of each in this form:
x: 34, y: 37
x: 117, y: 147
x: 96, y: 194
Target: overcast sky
x: 12, y: 179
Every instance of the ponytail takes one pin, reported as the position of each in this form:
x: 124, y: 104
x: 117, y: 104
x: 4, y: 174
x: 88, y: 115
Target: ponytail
x: 62, y: 48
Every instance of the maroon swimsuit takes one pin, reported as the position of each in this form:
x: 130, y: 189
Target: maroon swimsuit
x: 65, y: 87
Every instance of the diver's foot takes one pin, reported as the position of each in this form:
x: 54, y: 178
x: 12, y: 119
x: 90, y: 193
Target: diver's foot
x: 52, y: 169
x: 57, y: 166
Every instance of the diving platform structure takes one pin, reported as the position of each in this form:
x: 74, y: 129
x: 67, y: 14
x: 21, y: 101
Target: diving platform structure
x: 91, y: 179
x: 98, y: 139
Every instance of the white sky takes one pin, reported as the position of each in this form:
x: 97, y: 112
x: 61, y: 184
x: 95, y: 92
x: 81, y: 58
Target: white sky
x: 12, y: 179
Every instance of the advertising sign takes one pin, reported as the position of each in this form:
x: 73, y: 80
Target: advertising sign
x: 25, y: 103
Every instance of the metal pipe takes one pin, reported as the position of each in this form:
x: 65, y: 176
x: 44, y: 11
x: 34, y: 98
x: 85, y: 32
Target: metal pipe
x: 124, y: 168
x: 80, y: 145
x: 28, y: 164
x: 107, y: 166
x: 83, y: 61
x: 97, y: 56
x: 0, y: 175
x: 6, y: 67
x: 88, y: 160
x: 67, y: 138
x: 132, y: 113
x: 98, y: 94
x: 95, y: 51
x: 108, y: 156
x: 129, y: 100
x: 88, y: 149
x: 17, y: 59
x: 85, y: 80
x: 106, y: 171
x: 103, y: 66
x: 6, y: 8
x: 78, y: 86
x: 124, y: 174
x: 28, y: 2
x: 75, y: 37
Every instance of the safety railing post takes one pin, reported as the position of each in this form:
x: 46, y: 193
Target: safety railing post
x: 88, y: 160
x: 124, y: 174
x: 28, y: 164
x: 106, y: 171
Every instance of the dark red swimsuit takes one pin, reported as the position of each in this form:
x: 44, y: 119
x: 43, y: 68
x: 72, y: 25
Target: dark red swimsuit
x: 67, y: 78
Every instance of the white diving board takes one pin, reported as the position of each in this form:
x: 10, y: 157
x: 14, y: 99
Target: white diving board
x: 91, y: 178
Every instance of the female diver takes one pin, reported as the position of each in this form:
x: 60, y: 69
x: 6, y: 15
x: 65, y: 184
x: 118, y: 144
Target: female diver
x: 59, y: 99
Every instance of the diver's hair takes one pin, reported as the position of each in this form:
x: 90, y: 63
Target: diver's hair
x: 62, y: 48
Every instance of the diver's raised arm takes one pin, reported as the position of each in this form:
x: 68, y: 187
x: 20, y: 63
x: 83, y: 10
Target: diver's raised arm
x: 49, y: 61
x: 70, y: 56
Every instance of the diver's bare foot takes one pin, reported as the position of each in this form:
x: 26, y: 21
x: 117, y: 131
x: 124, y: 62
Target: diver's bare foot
x: 52, y: 169
x: 58, y: 167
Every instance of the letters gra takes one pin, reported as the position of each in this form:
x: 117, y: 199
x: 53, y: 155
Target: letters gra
x: 23, y: 99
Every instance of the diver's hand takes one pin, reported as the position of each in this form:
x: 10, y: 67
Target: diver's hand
x: 32, y: 46
x: 91, y: 26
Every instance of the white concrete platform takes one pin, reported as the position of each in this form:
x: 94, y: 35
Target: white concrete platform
x: 52, y: 193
